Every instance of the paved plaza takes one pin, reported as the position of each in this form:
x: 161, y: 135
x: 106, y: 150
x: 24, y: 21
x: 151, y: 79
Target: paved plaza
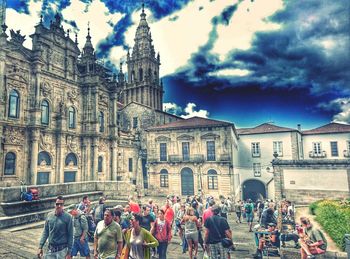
x: 24, y: 243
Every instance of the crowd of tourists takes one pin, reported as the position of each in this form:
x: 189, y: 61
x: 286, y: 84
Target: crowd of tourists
x: 144, y: 231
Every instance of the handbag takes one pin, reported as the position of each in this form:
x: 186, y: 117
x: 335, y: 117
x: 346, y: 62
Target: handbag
x: 125, y: 252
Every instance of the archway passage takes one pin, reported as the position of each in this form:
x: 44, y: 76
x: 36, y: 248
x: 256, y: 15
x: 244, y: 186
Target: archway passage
x: 187, y: 182
x: 254, y: 190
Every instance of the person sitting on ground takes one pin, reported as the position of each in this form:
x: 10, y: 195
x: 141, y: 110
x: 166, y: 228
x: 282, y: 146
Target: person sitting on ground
x: 273, y: 237
x: 312, y: 240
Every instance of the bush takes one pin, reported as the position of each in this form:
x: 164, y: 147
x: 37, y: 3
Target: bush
x: 334, y: 217
x: 313, y: 206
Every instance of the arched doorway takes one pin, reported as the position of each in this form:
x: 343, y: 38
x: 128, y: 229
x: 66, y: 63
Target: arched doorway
x: 187, y: 182
x: 254, y: 190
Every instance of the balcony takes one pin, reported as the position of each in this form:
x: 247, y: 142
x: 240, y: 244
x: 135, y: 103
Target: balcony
x: 189, y: 159
x: 346, y: 153
x: 322, y: 154
x: 225, y: 158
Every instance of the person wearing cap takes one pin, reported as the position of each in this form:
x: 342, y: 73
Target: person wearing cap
x: 273, y: 237
x: 58, y: 230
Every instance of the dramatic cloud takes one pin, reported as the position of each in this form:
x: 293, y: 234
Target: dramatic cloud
x: 341, y: 108
x: 188, y: 112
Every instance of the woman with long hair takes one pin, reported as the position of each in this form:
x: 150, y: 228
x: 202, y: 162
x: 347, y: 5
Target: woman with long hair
x: 162, y: 232
x: 139, y: 240
x: 191, y: 231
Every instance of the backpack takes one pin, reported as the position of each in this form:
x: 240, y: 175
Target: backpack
x: 248, y: 208
x: 99, y: 210
x: 91, y: 227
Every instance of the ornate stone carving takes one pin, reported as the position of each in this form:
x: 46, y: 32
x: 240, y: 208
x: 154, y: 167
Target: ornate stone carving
x: 14, y: 136
x: 72, y: 143
x: 72, y: 96
x: 45, y: 89
x: 16, y: 37
x: 103, y: 145
x: 162, y: 139
x: 61, y: 107
x: 45, y: 141
x: 103, y: 100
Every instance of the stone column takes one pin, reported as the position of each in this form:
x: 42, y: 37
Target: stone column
x: 3, y: 95
x: 94, y: 157
x: 278, y: 181
x: 113, y: 161
x: 84, y: 161
x: 34, y: 155
x: 94, y: 101
x: 60, y: 161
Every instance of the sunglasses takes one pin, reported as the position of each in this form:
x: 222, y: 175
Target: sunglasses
x: 59, y: 204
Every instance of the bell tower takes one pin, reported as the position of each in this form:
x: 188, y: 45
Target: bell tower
x: 143, y: 84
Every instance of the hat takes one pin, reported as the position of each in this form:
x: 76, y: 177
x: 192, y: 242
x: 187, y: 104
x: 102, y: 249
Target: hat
x: 271, y: 224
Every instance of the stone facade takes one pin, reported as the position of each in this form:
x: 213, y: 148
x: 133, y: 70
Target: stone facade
x: 65, y: 117
x: 306, y: 181
x: 173, y: 171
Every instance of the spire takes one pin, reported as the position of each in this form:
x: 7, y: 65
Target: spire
x: 121, y: 74
x: 88, y: 49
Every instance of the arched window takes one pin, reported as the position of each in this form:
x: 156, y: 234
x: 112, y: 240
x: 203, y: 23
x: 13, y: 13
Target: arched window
x: 102, y: 122
x: 71, y: 118
x: 132, y: 76
x: 13, y: 104
x: 150, y: 74
x: 212, y: 180
x: 99, y: 165
x: 71, y: 159
x: 45, y: 111
x: 44, y: 156
x: 10, y: 164
x: 140, y: 74
x: 164, y: 178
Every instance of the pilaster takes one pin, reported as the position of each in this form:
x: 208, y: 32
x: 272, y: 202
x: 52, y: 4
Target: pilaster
x: 34, y: 155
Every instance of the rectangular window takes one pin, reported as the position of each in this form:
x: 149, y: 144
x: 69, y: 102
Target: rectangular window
x: 69, y: 177
x: 334, y: 148
x: 186, y: 151
x: 134, y: 123
x: 212, y: 182
x: 130, y: 164
x: 211, y: 150
x: 317, y: 148
x: 43, y: 178
x: 164, y: 180
x: 257, y: 169
x: 163, y: 151
x: 278, y: 148
x: 256, y: 149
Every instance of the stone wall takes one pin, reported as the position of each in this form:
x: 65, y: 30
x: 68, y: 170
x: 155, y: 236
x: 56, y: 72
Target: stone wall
x: 306, y: 181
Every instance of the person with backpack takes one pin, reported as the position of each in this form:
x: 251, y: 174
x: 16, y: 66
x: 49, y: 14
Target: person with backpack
x: 249, y: 211
x: 80, y: 229
x: 99, y: 210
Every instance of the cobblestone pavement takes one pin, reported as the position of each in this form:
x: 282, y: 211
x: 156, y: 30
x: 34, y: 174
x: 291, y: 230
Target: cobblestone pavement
x: 23, y: 244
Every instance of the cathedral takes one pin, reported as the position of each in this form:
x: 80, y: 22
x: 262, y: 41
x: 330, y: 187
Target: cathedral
x: 65, y: 117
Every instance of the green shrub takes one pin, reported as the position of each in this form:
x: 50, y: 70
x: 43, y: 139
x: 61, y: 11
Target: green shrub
x: 313, y: 206
x: 334, y: 217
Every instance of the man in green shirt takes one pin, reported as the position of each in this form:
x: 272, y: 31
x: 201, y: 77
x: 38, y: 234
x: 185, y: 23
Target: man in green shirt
x: 58, y: 230
x: 108, y: 239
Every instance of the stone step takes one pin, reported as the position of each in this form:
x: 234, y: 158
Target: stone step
x: 33, y: 225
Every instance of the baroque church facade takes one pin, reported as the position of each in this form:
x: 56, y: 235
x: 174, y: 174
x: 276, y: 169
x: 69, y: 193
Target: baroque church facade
x: 65, y: 117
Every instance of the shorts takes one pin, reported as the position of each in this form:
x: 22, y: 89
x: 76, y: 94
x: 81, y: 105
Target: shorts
x: 250, y: 217
x: 83, y: 249
x: 192, y: 236
x: 59, y: 254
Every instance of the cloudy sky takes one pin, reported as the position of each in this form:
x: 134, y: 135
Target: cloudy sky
x: 245, y: 61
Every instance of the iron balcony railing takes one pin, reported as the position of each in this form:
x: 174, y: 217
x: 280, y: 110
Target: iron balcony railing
x: 321, y: 154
